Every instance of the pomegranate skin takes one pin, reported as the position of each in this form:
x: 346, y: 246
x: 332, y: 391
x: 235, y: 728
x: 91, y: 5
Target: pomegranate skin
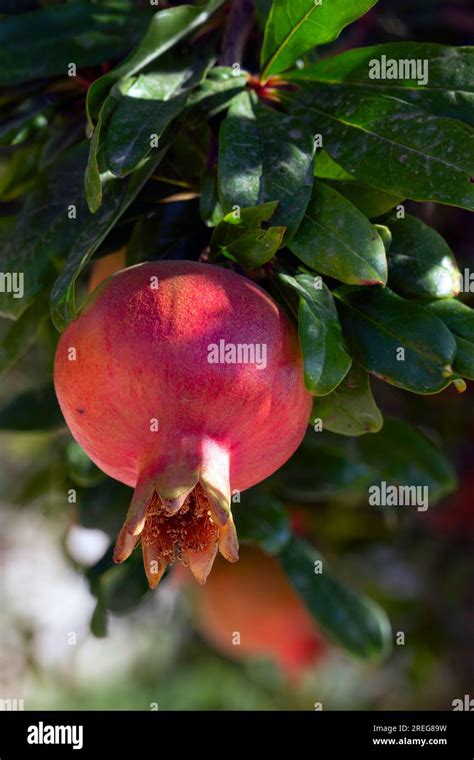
x: 139, y: 394
x: 255, y: 600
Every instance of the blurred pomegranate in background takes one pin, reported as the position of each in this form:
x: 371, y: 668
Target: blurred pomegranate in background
x: 249, y: 610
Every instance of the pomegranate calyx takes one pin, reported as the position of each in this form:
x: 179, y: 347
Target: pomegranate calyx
x: 181, y: 515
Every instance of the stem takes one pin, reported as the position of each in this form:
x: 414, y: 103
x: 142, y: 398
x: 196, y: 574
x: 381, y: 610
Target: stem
x: 238, y: 27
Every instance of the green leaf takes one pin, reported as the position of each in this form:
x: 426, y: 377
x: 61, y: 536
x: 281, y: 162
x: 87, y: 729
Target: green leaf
x: 33, y: 410
x: 92, y: 177
x: 390, y: 144
x: 209, y: 204
x: 262, y: 519
x: 169, y: 231
x: 335, y: 238
x: 99, y: 624
x: 326, y: 360
x: 104, y: 506
x: 241, y: 238
x: 350, y: 409
x: 265, y: 156
x: 420, y: 262
x: 398, y: 340
x: 44, y: 42
x: 354, y: 621
x: 402, y: 455
x: 215, y: 93
x: 167, y: 27
x: 44, y: 232
x: 296, y: 26
x: 16, y: 337
x: 386, y: 236
x: 327, y: 465
x: 459, y: 319
x: 118, y: 194
x: 149, y: 105
x: 119, y: 588
x: 367, y: 199
x: 449, y: 90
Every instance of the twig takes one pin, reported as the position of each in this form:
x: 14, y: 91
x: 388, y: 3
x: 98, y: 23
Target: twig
x: 239, y: 25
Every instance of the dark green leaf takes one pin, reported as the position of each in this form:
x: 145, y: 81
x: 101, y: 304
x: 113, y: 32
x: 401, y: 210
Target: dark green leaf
x: 420, y: 263
x: 397, y: 340
x: 44, y: 231
x: 402, y: 455
x: 99, y: 620
x: 326, y: 360
x: 209, y: 205
x: 295, y: 26
x: 119, y: 588
x: 367, y: 199
x: 167, y: 27
x: 356, y: 622
x: 216, y: 92
x: 118, y: 194
x: 16, y: 337
x: 262, y: 519
x: 149, y: 105
x: 43, y: 43
x: 459, y: 318
x: 265, y: 156
x: 240, y: 237
x: 350, y: 409
x: 92, y: 177
x: 335, y: 238
x: 170, y: 231
x: 104, y: 506
x: 449, y: 90
x: 391, y: 144
x: 325, y: 466
x: 328, y: 465
x: 32, y: 410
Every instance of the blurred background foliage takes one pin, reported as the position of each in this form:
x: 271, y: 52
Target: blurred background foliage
x: 78, y: 632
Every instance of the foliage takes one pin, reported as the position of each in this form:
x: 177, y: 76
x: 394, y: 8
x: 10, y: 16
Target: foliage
x: 302, y: 165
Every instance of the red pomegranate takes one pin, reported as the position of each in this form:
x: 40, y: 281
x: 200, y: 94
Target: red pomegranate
x: 185, y: 381
x: 251, y: 610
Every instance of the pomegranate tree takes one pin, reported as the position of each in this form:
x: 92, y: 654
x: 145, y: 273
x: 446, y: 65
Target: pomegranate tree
x: 183, y: 380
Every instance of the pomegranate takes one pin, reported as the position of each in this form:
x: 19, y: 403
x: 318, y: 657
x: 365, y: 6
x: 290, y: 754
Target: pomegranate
x: 252, y: 611
x: 185, y: 381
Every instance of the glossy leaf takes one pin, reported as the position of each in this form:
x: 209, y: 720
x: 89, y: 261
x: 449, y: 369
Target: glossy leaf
x: 216, y: 92
x: 166, y: 28
x: 367, y: 199
x: 45, y: 228
x: 420, y: 263
x: 328, y: 465
x: 262, y: 519
x: 449, y: 71
x: 397, y: 340
x: 118, y: 194
x: 44, y: 42
x: 350, y: 409
x: 149, y: 105
x: 459, y: 318
x: 335, y: 238
x: 295, y: 26
x: 353, y: 620
x: 391, y: 144
x: 265, y: 156
x: 326, y: 359
x: 241, y: 238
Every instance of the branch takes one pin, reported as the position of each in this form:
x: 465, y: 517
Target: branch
x: 239, y: 25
